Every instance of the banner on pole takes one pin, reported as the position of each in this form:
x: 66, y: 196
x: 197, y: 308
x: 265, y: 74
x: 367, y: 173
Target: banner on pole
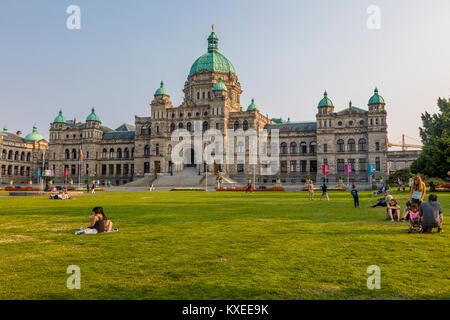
x: 371, y: 168
x: 38, y: 173
x: 348, y: 169
x: 325, y: 169
x: 66, y: 172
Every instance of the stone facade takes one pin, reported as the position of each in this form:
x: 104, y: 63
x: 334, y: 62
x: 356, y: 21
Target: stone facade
x: 212, y: 100
x: 20, y: 158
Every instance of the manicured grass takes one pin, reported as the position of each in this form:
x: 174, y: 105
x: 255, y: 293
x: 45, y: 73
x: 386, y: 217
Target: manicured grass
x: 217, y: 245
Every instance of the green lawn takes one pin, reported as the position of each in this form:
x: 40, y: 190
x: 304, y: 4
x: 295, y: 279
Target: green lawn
x: 217, y: 245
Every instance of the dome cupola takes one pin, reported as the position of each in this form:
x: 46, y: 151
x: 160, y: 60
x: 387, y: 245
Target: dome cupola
x: 212, y: 60
x: 376, y: 98
x: 59, y: 118
x: 325, y: 102
x: 252, y: 106
x: 93, y: 116
x: 220, y: 86
x: 34, y: 136
x: 161, y: 90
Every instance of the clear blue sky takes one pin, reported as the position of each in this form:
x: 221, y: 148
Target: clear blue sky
x: 286, y: 53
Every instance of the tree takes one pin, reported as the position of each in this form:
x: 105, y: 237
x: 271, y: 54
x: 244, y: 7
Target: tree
x: 434, y: 161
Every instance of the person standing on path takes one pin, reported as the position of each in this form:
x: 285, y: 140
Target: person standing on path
x: 311, y: 190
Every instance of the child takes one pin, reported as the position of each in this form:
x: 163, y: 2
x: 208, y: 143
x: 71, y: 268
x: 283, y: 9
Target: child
x: 393, y: 210
x: 407, y: 211
x: 414, y: 219
x: 324, y: 192
x: 354, y: 193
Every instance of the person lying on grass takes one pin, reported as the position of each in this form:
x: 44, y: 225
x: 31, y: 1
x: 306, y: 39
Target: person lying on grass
x: 393, y: 210
x: 99, y: 222
x: 383, y: 201
x: 61, y: 196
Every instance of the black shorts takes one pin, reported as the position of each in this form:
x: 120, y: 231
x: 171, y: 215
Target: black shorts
x: 416, y: 201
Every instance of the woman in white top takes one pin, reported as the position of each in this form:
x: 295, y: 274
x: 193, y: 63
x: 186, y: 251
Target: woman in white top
x: 418, y: 191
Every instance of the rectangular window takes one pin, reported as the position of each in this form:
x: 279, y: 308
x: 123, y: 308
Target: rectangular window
x: 118, y: 169
x: 302, y: 165
x: 313, y: 166
x: 146, y: 167
x: 157, y: 149
x: 103, y: 169
x: 325, y: 148
x: 362, y: 165
x: 111, y: 169
x: 340, y: 165
x: 293, y: 165
x: 283, y: 166
x: 352, y: 162
x: 240, y: 167
x: 377, y: 164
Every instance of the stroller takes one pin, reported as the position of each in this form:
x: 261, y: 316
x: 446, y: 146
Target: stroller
x: 415, y: 222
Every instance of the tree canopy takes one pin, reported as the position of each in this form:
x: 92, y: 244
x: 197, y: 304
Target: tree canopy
x: 434, y: 161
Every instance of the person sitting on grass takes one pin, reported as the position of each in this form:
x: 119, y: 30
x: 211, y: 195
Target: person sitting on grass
x: 393, y: 210
x: 406, y: 211
x: 382, y: 202
x: 99, y: 222
x: 414, y: 218
x: 355, y: 196
x: 431, y: 213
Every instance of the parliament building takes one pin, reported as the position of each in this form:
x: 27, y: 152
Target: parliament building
x: 212, y: 92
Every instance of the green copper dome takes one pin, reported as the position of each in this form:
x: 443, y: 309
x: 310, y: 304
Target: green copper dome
x: 212, y: 60
x: 376, y: 98
x: 60, y: 118
x: 220, y: 86
x: 252, y: 106
x: 93, y: 116
x: 34, y: 136
x: 161, y: 90
x: 325, y: 102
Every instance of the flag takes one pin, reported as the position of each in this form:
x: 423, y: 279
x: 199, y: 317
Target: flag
x: 348, y: 169
x: 81, y: 155
x: 325, y: 168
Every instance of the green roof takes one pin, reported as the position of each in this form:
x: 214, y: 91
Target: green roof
x: 161, y: 90
x: 252, y: 106
x: 376, y: 98
x: 60, y: 118
x: 34, y: 136
x: 325, y: 102
x: 93, y: 116
x: 220, y: 86
x: 212, y: 60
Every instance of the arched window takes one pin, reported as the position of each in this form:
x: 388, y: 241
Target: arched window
x: 236, y: 125
x: 180, y: 125
x: 362, y: 144
x: 132, y: 153
x: 16, y: 155
x: 143, y: 131
x: 205, y: 125
x: 29, y: 156
x: 188, y: 126
x: 303, y: 147
x: 245, y: 125
x: 313, y: 147
x: 172, y: 127
x: 104, y: 153
x: 111, y: 153
x: 67, y: 154
x: 22, y: 156
x: 377, y: 146
x: 149, y: 131
x: 293, y: 148
x: 74, y: 154
x: 283, y: 148
x: 147, y: 151
x: 126, y: 153
x: 351, y: 145
x: 4, y: 154
x: 119, y: 153
x: 198, y: 95
x: 341, y: 147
